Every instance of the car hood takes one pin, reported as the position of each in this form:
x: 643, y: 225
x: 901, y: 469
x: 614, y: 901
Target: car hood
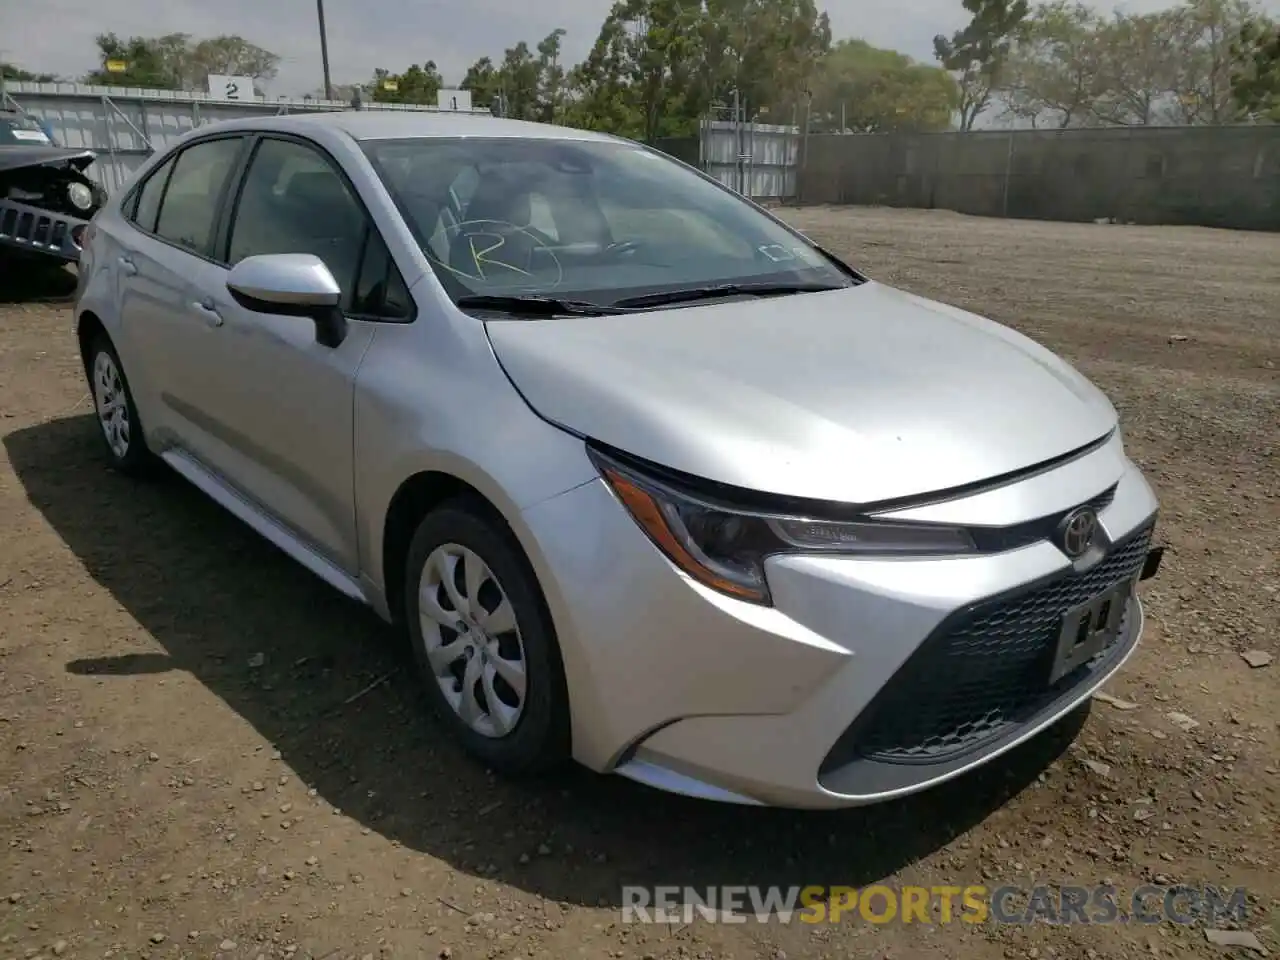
x: 12, y: 157
x: 860, y: 395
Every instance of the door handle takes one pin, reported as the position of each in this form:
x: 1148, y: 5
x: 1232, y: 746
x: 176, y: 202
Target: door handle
x: 127, y: 265
x: 208, y: 311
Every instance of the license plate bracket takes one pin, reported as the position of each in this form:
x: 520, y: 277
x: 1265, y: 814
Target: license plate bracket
x: 1088, y: 628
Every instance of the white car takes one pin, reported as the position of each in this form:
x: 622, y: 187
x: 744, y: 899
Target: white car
x: 650, y: 479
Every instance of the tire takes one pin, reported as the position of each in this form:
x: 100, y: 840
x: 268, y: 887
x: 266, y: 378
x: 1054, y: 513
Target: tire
x: 119, y: 426
x: 527, y: 734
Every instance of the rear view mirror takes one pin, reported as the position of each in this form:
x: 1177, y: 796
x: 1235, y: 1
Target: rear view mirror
x: 292, y: 284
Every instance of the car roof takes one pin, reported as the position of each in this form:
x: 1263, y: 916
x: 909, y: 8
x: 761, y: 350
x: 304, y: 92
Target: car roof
x: 407, y: 124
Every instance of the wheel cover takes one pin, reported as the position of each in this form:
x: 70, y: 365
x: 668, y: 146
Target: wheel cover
x: 473, y: 642
x: 111, y: 403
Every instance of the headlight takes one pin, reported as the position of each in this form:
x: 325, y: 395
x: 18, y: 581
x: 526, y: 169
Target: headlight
x: 724, y: 547
x: 80, y: 195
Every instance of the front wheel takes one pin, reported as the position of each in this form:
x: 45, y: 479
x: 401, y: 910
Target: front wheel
x: 117, y: 415
x: 484, y: 644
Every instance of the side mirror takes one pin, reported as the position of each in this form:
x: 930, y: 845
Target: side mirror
x: 294, y: 285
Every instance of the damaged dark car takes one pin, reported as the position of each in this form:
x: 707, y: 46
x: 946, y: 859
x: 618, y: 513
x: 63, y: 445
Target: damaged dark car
x: 46, y: 196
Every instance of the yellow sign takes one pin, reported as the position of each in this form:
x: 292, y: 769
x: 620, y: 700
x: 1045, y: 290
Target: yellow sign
x: 117, y: 66
x: 392, y: 85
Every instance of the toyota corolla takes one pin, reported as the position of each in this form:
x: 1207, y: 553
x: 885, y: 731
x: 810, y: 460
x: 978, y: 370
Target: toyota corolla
x: 650, y: 480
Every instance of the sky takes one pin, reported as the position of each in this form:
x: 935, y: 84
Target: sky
x: 56, y: 36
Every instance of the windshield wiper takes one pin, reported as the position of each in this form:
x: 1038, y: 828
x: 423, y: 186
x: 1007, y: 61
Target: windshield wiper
x: 722, y: 290
x: 537, y: 306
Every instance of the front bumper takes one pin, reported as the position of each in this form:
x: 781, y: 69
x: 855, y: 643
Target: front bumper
x: 867, y: 680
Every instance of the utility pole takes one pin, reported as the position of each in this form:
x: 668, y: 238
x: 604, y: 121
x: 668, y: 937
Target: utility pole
x: 737, y: 141
x: 324, y: 51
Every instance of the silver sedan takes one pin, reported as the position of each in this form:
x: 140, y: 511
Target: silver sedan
x: 649, y: 479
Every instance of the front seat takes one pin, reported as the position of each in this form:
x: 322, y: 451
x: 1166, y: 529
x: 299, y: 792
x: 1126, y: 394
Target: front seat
x: 490, y: 245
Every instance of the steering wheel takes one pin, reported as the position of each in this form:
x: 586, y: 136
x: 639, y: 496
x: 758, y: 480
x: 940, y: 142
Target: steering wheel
x: 619, y: 248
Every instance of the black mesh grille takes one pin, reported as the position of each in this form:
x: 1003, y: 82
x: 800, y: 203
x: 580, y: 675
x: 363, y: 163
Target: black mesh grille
x: 982, y: 674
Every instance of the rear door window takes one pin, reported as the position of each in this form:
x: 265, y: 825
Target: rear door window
x: 149, y: 196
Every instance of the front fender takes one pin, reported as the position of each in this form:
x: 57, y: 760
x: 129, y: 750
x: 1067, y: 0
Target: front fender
x: 97, y: 293
x: 431, y: 398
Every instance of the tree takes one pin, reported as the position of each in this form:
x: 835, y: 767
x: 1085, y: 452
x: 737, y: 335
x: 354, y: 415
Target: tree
x: 978, y: 53
x: 1202, y: 85
x: 1141, y: 64
x: 1054, y: 70
x: 1255, y: 77
x: 766, y: 50
x: 10, y: 71
x: 658, y: 65
x: 662, y: 49
x: 639, y: 76
x: 603, y: 95
x: 864, y: 88
x: 417, y: 84
x: 551, y: 92
x: 345, y: 92
x: 229, y: 55
x: 519, y: 78
x: 154, y: 62
x: 1173, y: 66
x: 483, y: 81
x: 174, y: 62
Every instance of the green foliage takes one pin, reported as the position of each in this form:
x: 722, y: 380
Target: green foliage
x: 417, y: 84
x: 521, y: 80
x: 174, y: 62
x: 149, y: 61
x: 870, y: 90
x: 1069, y: 66
x: 1055, y: 66
x: 1209, y: 29
x: 483, y: 81
x: 230, y: 55
x: 977, y: 54
x: 10, y: 71
x: 1255, y: 79
x: 553, y: 81
x: 1139, y: 71
x: 525, y: 85
x: 658, y: 66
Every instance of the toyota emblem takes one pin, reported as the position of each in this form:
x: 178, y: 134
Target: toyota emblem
x: 1077, y: 531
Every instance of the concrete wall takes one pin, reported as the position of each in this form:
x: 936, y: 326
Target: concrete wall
x: 1209, y: 176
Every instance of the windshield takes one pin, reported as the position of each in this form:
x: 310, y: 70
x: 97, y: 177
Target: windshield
x: 588, y: 221
x: 15, y: 128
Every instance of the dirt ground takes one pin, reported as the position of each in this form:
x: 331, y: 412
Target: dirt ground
x: 193, y: 763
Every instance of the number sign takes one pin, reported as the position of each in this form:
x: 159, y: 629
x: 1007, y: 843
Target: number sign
x: 454, y: 100
x: 231, y: 88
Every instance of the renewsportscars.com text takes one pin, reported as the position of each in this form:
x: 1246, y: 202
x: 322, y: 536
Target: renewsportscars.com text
x: 975, y: 903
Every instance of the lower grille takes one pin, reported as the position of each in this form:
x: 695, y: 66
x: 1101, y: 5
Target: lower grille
x: 984, y: 673
x: 38, y: 230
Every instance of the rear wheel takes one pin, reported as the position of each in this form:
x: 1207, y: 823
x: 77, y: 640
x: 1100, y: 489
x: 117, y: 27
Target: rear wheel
x: 485, y: 647
x: 118, y: 422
